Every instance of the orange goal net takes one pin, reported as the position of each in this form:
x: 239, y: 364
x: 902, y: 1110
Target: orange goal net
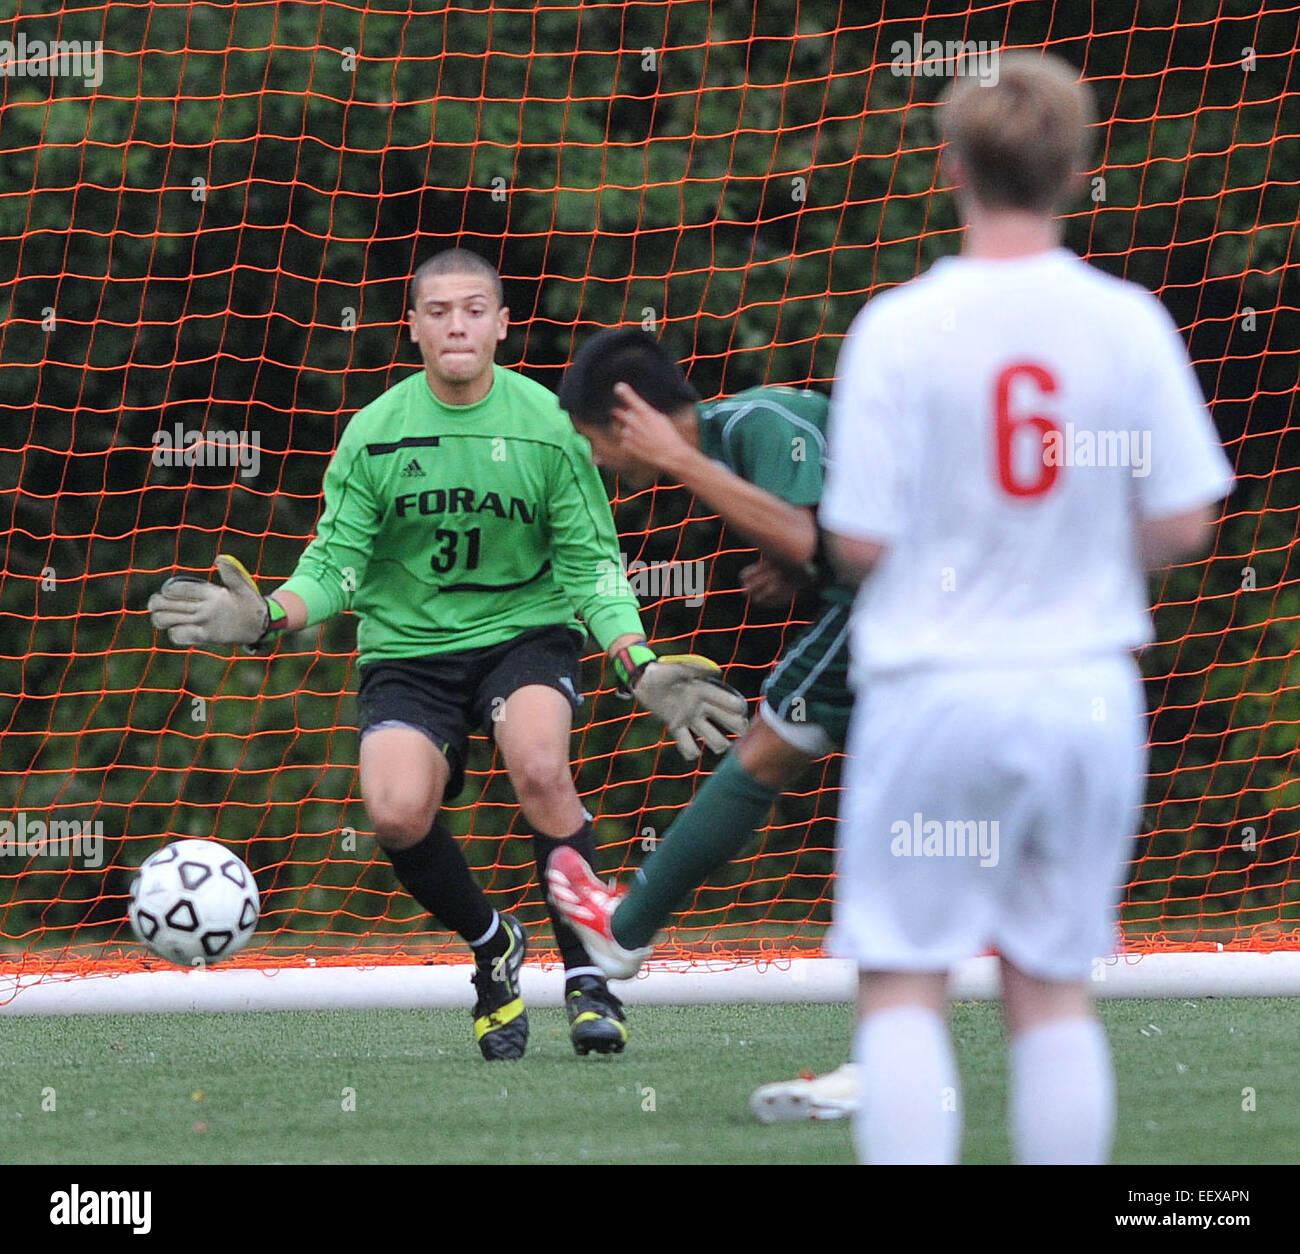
x: 208, y: 215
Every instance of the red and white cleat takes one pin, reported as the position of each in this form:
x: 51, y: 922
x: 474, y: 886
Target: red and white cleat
x: 835, y: 1095
x: 588, y: 906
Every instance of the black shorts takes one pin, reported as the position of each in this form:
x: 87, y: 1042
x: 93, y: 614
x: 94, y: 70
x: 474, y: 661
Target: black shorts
x: 447, y: 695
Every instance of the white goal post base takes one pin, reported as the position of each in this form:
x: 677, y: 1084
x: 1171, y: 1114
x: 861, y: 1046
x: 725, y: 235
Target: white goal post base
x: 661, y: 983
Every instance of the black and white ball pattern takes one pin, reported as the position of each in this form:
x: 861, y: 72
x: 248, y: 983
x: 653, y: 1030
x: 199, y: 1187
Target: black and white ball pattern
x: 194, y: 903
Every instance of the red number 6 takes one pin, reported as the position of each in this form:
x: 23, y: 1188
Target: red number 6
x: 1008, y: 426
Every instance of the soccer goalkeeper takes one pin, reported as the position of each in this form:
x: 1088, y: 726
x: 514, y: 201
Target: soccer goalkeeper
x: 756, y: 459
x: 466, y: 527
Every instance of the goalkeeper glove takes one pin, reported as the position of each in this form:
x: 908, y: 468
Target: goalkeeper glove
x: 193, y: 611
x: 686, y: 693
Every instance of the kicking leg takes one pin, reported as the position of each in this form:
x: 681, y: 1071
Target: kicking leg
x: 732, y: 802
x: 617, y: 927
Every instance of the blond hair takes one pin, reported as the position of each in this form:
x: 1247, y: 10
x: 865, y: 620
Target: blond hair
x: 1020, y: 139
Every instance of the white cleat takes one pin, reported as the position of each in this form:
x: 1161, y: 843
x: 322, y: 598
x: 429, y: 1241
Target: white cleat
x: 834, y: 1095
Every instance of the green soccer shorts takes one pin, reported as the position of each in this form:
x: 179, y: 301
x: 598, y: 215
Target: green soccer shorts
x: 806, y: 699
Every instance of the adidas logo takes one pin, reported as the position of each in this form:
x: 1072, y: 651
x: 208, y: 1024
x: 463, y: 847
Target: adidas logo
x: 412, y: 470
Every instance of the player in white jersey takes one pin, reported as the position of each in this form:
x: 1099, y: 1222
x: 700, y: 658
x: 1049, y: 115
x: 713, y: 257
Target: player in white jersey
x: 1015, y: 439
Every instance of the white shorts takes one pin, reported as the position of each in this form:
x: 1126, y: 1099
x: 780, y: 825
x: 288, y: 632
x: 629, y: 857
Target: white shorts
x: 990, y: 810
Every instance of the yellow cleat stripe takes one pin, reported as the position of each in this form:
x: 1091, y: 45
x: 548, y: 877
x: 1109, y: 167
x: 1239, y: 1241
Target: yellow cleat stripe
x: 588, y: 1015
x: 498, y: 1018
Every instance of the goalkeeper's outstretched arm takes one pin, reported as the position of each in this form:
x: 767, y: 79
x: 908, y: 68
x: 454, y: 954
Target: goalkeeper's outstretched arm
x: 195, y: 612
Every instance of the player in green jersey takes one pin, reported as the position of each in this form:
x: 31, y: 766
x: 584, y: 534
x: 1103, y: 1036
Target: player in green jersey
x: 756, y: 459
x: 467, y: 528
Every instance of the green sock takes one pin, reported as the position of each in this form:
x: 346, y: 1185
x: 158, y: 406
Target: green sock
x: 707, y: 835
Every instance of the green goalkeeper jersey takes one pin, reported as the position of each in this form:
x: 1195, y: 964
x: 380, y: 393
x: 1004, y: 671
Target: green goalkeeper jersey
x: 774, y: 438
x: 450, y: 527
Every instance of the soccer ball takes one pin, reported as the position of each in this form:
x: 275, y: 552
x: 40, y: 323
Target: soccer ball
x: 194, y: 903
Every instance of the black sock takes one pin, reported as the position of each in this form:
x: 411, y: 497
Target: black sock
x: 571, y: 948
x: 436, y: 874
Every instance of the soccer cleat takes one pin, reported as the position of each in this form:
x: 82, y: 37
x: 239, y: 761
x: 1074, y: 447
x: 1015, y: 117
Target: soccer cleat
x: 596, y: 1019
x: 500, y: 1021
x: 587, y: 906
x: 834, y: 1095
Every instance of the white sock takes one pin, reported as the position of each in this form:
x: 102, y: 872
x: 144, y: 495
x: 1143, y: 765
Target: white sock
x: 490, y: 933
x: 1062, y: 1093
x: 911, y: 1097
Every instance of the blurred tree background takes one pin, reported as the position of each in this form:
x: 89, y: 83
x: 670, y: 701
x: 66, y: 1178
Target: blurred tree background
x: 219, y: 235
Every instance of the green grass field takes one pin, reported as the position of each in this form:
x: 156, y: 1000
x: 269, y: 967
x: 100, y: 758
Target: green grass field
x: 258, y: 1088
